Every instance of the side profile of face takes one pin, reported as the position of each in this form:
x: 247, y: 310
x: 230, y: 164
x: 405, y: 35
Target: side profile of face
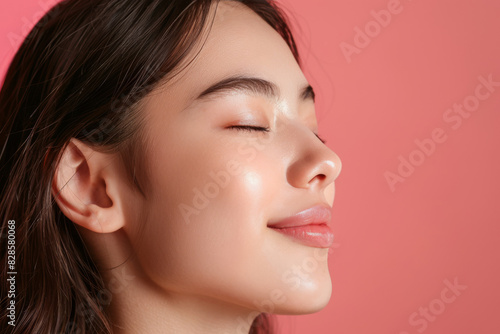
x: 215, y: 187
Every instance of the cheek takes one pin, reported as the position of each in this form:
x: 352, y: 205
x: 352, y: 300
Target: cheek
x: 207, y: 218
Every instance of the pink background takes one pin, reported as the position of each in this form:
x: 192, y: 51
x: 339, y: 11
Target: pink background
x: 396, y: 246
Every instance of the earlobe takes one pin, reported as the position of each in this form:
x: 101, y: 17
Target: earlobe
x: 85, y: 187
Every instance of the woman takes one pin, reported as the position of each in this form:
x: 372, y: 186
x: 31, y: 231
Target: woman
x: 161, y: 172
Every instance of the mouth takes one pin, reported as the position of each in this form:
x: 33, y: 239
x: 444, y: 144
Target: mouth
x: 310, y: 227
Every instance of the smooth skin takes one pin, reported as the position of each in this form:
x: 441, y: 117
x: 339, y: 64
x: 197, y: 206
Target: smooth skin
x: 195, y: 255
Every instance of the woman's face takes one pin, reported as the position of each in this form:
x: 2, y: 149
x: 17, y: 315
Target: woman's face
x: 215, y: 189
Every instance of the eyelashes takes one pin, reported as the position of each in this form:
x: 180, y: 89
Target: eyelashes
x: 251, y: 128
x: 321, y: 139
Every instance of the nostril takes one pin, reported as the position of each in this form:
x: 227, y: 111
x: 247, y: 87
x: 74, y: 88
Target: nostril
x: 320, y: 177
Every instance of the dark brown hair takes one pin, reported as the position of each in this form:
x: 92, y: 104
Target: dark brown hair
x: 81, y: 73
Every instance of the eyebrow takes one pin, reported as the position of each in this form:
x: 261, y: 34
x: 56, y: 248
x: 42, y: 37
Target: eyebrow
x: 251, y: 85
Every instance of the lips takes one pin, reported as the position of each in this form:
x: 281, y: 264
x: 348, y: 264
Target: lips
x: 309, y: 227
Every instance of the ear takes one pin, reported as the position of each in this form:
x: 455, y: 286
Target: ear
x: 88, y: 187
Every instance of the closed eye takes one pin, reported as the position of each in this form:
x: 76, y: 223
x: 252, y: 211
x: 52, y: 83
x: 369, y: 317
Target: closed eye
x: 263, y: 129
x: 249, y: 128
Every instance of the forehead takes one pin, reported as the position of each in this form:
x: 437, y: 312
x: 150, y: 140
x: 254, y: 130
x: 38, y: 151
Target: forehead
x: 240, y: 40
x: 236, y: 41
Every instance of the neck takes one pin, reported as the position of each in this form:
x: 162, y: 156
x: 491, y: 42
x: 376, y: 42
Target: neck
x: 143, y: 307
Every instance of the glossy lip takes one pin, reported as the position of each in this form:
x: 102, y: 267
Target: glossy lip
x: 309, y: 227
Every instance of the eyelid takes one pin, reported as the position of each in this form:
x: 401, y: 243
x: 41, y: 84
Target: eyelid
x: 263, y: 129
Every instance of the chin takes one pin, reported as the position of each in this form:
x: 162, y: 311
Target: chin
x: 307, y: 300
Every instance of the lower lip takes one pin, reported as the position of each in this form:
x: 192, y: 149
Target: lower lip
x: 314, y: 235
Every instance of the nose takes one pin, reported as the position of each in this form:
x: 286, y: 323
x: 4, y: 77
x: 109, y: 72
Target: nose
x: 315, y: 164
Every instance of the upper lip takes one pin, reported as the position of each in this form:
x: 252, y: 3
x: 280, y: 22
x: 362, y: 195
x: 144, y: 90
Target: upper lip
x: 318, y: 214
